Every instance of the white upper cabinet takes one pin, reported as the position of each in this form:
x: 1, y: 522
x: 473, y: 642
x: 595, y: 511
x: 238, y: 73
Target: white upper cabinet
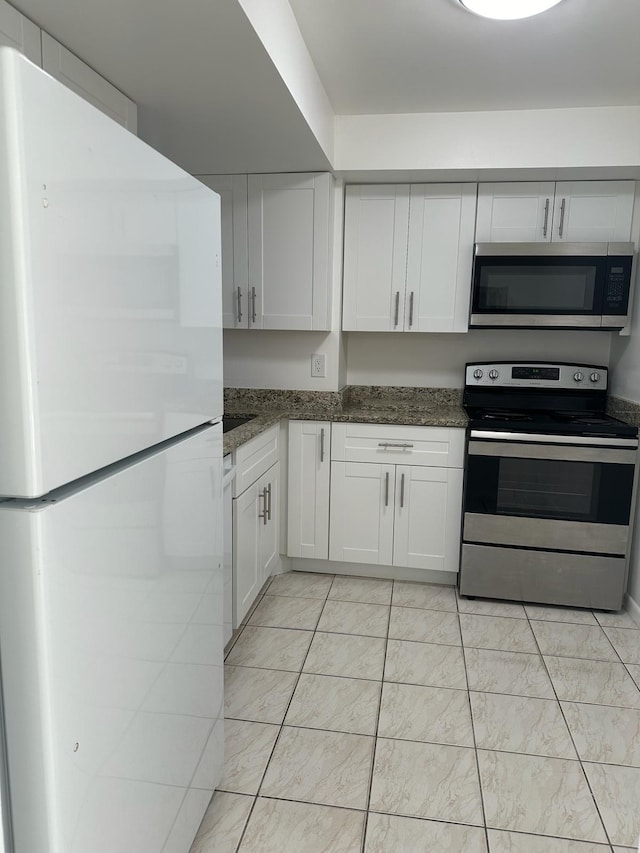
x: 288, y: 226
x: 20, y: 33
x: 275, y: 250
x: 232, y: 190
x: 515, y: 213
x: 593, y: 211
x: 440, y: 257
x: 407, y: 257
x: 573, y: 211
x: 78, y: 76
x: 376, y: 238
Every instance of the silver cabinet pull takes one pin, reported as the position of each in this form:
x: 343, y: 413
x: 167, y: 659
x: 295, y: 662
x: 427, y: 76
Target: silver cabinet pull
x: 561, y: 226
x: 396, y: 315
x: 546, y: 218
x: 263, y: 514
x: 322, y: 444
x: 268, y: 507
x: 402, y: 444
x: 386, y: 489
x: 253, y: 305
x: 401, y: 491
x: 411, y: 310
x: 239, y: 305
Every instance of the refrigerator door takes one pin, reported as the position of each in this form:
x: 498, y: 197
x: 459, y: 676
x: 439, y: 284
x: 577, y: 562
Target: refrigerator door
x: 110, y: 276
x: 111, y: 653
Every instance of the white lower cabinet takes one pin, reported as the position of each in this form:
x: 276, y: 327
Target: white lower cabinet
x: 255, y: 539
x: 256, y: 518
x: 308, y: 489
x: 385, y: 513
x: 427, y: 518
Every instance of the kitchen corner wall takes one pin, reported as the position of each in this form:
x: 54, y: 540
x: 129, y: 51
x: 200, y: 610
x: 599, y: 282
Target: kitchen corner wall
x: 625, y: 382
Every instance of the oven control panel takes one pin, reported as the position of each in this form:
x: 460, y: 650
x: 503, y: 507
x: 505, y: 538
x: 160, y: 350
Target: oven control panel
x: 521, y: 374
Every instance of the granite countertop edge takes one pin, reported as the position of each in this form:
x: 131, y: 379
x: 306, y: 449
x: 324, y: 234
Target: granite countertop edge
x: 436, y: 416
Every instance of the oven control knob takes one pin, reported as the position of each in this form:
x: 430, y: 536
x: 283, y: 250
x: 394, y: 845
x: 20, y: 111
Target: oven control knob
x: 595, y: 377
x: 493, y: 374
x: 578, y: 376
x: 477, y: 373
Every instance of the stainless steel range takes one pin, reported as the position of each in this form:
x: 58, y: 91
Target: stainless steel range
x: 549, y: 486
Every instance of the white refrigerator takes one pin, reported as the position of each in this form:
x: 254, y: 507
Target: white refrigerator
x: 111, y: 579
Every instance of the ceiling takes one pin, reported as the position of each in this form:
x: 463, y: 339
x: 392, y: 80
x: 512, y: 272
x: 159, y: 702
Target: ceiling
x: 416, y: 56
x: 210, y: 97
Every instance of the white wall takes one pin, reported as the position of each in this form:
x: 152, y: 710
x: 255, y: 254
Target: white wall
x: 438, y: 360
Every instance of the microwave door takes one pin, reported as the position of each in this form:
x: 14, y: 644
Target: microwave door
x: 538, y: 291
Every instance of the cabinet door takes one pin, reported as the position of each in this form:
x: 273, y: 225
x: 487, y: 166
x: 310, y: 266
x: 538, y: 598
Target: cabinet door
x: 427, y: 518
x: 288, y: 224
x: 308, y: 492
x: 515, y: 212
x: 78, y: 76
x: 361, y: 512
x: 247, y: 574
x: 441, y: 228
x: 376, y: 234
x: 232, y: 190
x: 593, y: 211
x: 20, y: 33
x: 269, y: 533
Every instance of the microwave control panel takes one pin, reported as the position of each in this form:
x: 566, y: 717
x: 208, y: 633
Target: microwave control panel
x: 616, y: 286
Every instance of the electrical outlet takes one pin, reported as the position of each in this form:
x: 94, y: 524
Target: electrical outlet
x: 319, y: 365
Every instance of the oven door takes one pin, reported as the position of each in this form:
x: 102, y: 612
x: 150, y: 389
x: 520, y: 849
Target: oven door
x: 556, y: 493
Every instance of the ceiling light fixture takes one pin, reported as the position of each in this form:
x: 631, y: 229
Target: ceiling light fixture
x: 508, y: 10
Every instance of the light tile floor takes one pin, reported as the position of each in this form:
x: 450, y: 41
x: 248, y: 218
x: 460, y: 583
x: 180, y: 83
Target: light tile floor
x: 373, y: 716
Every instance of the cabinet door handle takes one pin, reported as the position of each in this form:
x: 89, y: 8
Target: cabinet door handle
x: 263, y: 514
x: 386, y: 489
x: 268, y: 509
x: 402, y: 444
x: 546, y: 218
x: 322, y: 444
x: 239, y: 305
x: 561, y: 226
x: 411, y: 310
x: 396, y: 315
x: 253, y: 305
x: 401, y: 491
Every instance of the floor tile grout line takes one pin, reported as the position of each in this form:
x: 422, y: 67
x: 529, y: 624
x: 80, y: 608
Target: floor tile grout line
x: 377, y: 728
x: 475, y: 743
x: 275, y: 743
x: 568, y: 727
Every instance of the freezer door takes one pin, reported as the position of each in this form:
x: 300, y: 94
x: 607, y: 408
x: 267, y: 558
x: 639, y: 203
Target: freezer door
x: 111, y: 647
x: 110, y: 301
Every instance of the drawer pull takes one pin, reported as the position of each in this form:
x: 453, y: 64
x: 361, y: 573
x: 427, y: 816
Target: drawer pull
x: 402, y: 491
x: 402, y: 444
x: 263, y: 515
x: 386, y: 489
x: 322, y: 444
x: 268, y: 507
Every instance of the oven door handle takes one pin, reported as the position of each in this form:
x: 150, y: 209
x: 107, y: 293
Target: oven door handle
x: 535, y: 438
x: 550, y: 452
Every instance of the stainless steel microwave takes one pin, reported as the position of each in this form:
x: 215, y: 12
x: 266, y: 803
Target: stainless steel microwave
x: 555, y: 285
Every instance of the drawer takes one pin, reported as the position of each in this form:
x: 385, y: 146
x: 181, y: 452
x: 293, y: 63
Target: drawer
x: 255, y: 457
x: 441, y: 447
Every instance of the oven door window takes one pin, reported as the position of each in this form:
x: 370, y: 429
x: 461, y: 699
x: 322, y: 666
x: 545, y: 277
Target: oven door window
x: 537, y: 286
x: 540, y: 488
